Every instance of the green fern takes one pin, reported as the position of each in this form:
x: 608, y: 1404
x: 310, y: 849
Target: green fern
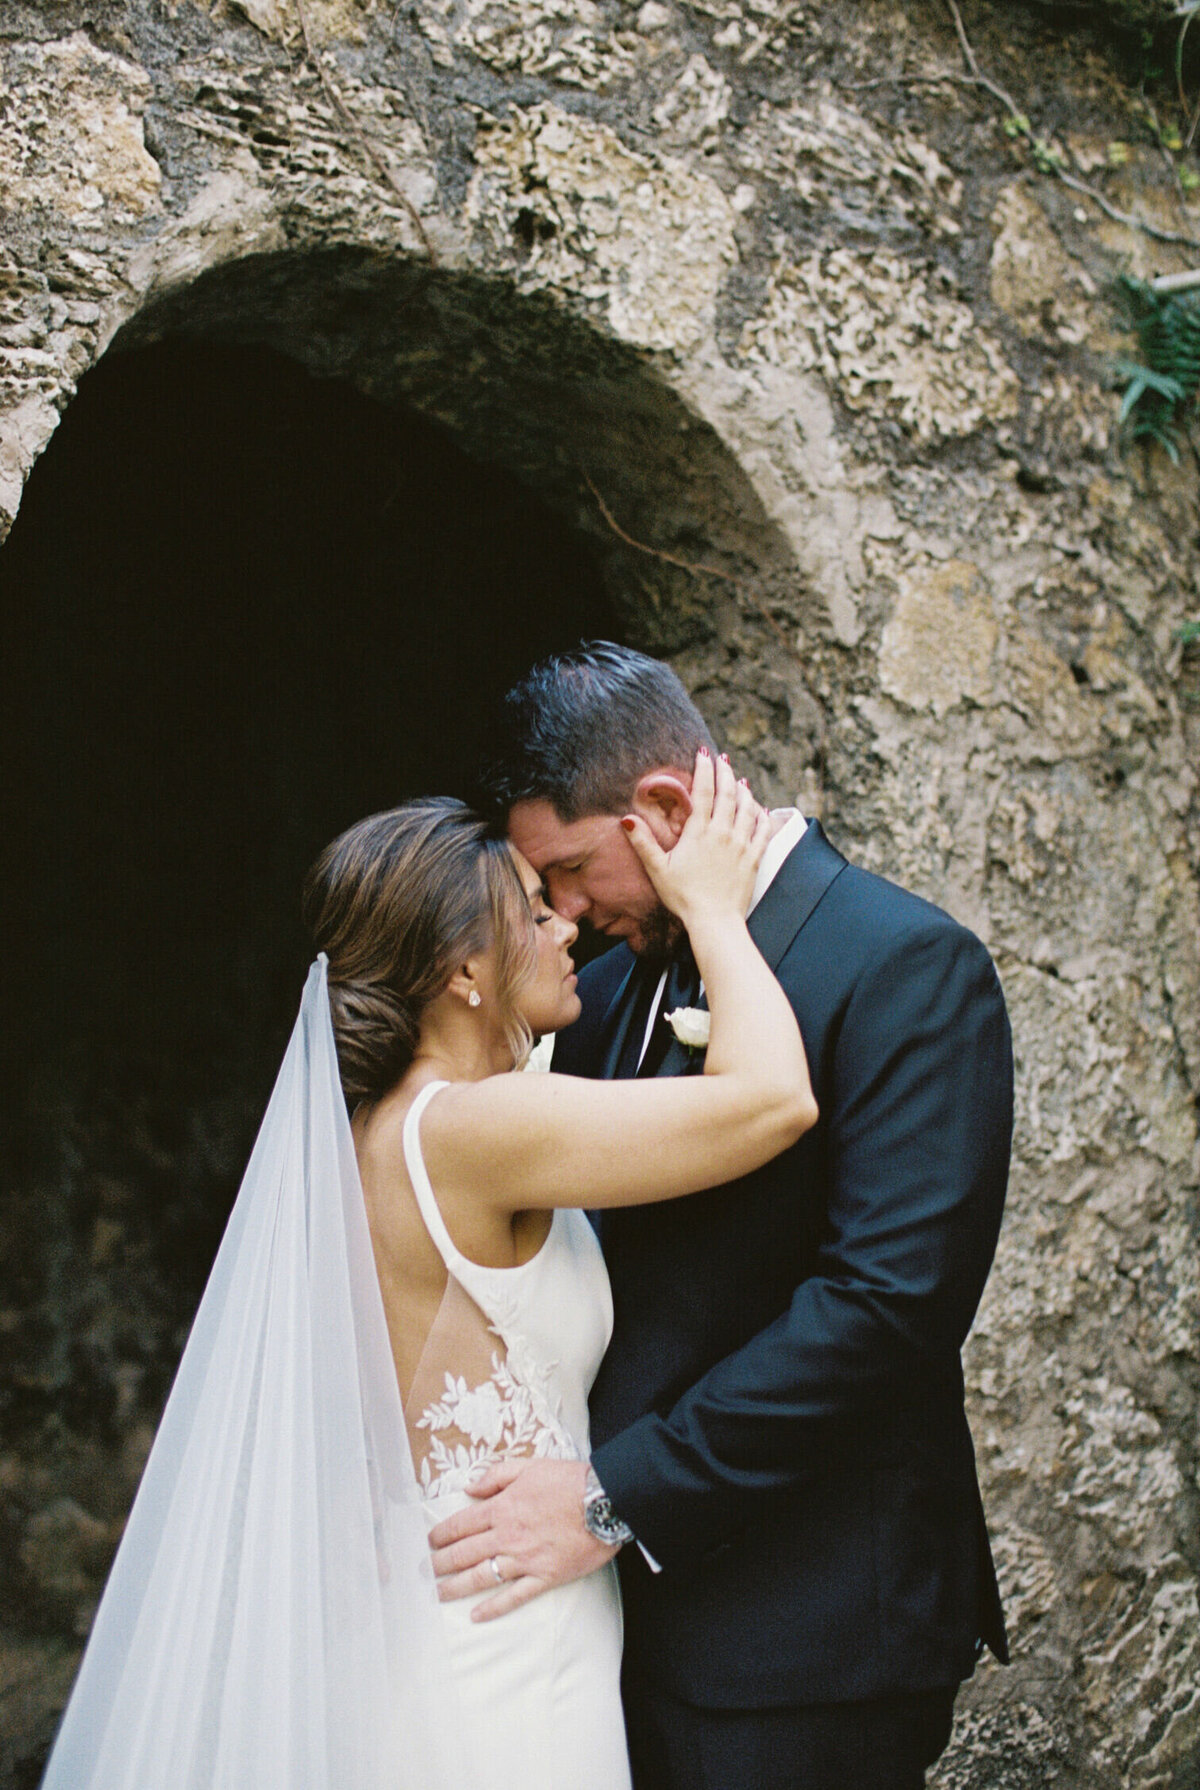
x: 1167, y: 379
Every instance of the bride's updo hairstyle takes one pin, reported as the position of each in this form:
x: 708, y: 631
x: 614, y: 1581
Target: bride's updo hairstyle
x: 398, y: 903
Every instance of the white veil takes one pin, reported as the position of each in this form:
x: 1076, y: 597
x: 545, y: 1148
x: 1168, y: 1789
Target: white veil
x: 270, y: 1622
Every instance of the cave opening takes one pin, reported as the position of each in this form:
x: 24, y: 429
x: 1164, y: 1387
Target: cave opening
x: 243, y: 607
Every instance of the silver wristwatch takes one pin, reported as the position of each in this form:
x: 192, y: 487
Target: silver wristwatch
x: 599, y: 1517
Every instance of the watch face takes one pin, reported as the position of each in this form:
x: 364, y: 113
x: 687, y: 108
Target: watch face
x: 601, y: 1521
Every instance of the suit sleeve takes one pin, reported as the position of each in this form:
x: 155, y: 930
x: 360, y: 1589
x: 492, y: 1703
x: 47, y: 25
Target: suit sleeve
x: 917, y: 1102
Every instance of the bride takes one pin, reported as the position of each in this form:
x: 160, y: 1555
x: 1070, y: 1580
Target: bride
x: 401, y: 1300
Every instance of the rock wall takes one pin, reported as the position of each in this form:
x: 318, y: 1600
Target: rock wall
x: 766, y: 287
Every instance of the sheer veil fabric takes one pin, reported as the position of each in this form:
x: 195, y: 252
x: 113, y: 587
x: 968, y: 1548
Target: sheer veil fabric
x: 271, y: 1618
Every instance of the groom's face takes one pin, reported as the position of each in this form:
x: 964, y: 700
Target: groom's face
x: 592, y: 873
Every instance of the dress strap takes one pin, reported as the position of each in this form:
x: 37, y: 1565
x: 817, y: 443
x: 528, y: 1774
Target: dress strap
x: 418, y: 1174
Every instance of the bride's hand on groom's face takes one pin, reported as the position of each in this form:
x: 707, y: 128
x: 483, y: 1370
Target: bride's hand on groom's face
x: 527, y: 1518
x: 710, y: 869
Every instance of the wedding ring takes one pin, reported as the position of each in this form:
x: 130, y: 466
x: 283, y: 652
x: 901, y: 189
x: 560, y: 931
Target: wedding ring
x: 494, y: 1563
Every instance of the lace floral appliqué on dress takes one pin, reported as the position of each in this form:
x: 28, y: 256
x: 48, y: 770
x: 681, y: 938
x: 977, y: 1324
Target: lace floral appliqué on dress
x: 472, y: 1427
x: 480, y: 1395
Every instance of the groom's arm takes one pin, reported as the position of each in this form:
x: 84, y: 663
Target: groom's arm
x: 919, y: 1113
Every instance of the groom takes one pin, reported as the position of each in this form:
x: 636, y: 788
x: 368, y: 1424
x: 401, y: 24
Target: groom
x: 778, y: 1425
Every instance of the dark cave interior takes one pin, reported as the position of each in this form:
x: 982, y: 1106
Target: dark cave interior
x: 243, y: 607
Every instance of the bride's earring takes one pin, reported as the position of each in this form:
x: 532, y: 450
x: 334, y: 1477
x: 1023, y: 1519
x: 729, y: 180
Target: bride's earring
x: 474, y: 998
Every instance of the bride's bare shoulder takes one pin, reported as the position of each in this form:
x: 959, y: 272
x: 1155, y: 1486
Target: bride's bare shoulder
x: 464, y: 1103
x: 486, y: 1125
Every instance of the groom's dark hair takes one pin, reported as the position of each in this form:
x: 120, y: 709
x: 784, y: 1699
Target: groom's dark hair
x: 581, y: 727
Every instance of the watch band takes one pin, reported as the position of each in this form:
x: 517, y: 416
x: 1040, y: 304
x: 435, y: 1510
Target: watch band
x: 599, y: 1517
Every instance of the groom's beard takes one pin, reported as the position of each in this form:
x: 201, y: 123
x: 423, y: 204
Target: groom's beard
x: 659, y: 934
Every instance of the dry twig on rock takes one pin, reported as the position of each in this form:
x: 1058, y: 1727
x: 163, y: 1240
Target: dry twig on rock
x: 378, y: 156
x: 696, y: 568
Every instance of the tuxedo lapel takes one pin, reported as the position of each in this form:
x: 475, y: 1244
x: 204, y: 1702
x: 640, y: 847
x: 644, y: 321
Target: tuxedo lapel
x: 792, y: 898
x: 617, y: 1025
x: 679, y: 1060
x: 618, y: 1051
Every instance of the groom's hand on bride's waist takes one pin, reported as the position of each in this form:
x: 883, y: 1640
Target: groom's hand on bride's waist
x: 523, y: 1534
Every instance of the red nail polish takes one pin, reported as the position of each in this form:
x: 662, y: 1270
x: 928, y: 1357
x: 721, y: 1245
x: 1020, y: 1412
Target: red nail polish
x: 627, y: 823
x: 724, y: 758
x: 703, y: 753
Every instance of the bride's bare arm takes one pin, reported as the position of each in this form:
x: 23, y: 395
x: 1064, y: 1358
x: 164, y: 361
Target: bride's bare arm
x: 522, y: 1142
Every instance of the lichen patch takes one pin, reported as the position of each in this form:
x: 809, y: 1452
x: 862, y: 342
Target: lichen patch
x: 937, y: 648
x: 567, y: 40
x: 646, y: 241
x: 72, y: 138
x: 886, y: 335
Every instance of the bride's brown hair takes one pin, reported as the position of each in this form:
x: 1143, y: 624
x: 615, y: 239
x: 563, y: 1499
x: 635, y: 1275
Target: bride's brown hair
x: 398, y: 902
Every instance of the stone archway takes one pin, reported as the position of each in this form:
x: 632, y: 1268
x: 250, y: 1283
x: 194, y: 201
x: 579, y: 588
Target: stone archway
x: 585, y: 419
x: 245, y: 605
x: 782, y: 285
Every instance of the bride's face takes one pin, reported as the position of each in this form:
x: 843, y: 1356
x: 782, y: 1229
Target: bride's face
x: 548, y: 1000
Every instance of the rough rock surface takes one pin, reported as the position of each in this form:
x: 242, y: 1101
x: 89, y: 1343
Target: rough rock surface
x: 790, y: 298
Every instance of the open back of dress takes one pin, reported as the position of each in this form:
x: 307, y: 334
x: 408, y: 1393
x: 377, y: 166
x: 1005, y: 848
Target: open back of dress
x: 510, y: 1357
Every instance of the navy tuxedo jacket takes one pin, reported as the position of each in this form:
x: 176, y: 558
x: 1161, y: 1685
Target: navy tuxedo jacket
x: 780, y: 1414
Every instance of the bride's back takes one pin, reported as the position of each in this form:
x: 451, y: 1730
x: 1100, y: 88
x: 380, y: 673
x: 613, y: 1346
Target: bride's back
x: 412, y: 1274
x: 494, y: 1356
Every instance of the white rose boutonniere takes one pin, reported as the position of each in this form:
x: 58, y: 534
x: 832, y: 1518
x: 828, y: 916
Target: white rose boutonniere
x: 691, y: 1026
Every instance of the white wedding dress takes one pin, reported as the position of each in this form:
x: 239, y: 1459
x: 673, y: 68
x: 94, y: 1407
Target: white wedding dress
x: 271, y: 1619
x: 539, y: 1687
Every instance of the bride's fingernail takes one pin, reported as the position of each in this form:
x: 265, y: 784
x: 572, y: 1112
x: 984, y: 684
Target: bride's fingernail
x: 703, y: 752
x: 724, y: 758
x: 627, y: 823
x: 745, y: 782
